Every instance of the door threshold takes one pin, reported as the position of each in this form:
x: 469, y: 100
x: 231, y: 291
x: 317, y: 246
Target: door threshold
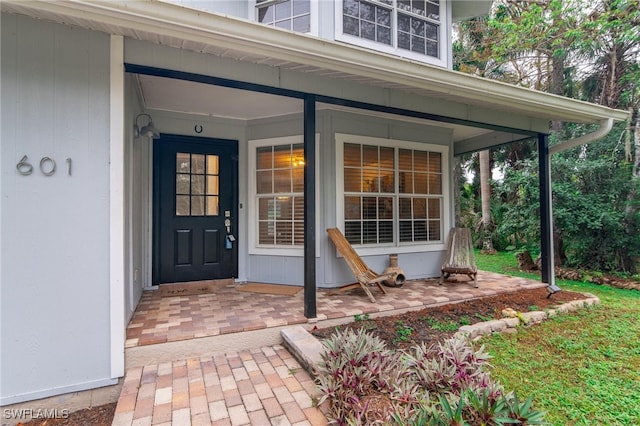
x: 193, y: 287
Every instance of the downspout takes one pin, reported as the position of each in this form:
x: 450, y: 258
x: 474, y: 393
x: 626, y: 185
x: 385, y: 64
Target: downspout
x: 606, y: 124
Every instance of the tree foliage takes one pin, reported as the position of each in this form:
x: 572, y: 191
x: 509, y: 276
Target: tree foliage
x: 584, y: 49
x: 590, y: 191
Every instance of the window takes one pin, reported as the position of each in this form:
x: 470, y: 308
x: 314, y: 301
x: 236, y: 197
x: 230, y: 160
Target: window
x: 197, y: 190
x: 392, y: 191
x: 411, y: 28
x: 420, y: 195
x: 276, y: 191
x: 294, y: 15
x: 280, y: 195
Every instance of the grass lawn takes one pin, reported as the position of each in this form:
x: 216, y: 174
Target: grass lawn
x: 583, y: 368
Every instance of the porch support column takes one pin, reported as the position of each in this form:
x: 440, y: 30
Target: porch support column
x: 310, y: 206
x: 546, y: 213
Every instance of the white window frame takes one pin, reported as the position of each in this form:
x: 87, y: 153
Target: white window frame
x: 274, y: 250
x: 396, y: 246
x: 313, y: 18
x: 444, y: 25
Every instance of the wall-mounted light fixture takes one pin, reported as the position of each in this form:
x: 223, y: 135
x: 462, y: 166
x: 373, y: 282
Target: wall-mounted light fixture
x: 148, y: 130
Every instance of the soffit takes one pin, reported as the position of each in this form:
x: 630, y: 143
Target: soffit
x: 184, y: 28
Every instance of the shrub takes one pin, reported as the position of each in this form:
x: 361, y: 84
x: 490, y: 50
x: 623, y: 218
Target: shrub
x: 354, y: 368
x: 449, y: 383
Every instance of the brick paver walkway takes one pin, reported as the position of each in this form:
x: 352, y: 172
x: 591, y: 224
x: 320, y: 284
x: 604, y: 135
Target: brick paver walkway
x: 264, y: 386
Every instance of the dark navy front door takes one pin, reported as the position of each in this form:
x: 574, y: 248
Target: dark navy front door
x: 195, y: 209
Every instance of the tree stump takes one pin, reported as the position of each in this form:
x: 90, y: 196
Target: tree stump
x: 525, y: 262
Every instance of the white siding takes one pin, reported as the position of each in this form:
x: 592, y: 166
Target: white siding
x: 238, y: 8
x: 54, y: 277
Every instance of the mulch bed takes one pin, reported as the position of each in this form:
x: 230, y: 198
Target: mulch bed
x: 431, y: 325
x: 94, y: 416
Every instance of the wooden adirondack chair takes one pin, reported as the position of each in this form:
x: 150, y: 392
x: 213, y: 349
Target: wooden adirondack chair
x: 460, y: 258
x: 366, y: 276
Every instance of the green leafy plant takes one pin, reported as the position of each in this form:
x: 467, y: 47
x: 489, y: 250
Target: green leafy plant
x: 361, y: 317
x: 465, y: 320
x: 443, y: 325
x: 523, y: 412
x: 403, y: 331
x: 483, y: 317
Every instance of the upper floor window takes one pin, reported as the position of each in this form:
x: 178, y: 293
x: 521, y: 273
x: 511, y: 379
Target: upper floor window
x: 410, y: 28
x: 294, y: 15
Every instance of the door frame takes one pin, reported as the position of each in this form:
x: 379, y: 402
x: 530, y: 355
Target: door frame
x: 155, y: 214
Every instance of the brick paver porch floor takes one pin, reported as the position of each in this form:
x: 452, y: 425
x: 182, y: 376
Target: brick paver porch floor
x: 227, y: 310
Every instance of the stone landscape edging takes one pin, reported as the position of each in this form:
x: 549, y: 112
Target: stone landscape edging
x: 523, y: 318
x: 307, y: 349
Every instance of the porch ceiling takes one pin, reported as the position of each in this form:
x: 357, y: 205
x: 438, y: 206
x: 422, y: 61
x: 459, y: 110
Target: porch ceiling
x: 176, y: 26
x: 173, y: 95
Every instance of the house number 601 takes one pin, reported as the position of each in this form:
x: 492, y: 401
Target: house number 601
x: 47, y: 166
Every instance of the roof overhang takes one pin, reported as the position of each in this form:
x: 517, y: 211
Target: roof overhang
x: 173, y: 25
x: 467, y: 9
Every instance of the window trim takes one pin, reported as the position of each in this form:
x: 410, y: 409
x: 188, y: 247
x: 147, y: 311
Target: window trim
x: 254, y: 247
x: 396, y: 246
x: 394, y: 50
x: 313, y: 15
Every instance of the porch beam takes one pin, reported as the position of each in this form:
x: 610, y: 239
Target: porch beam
x: 310, y: 206
x: 546, y: 211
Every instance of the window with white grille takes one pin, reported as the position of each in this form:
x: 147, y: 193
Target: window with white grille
x: 392, y: 193
x: 410, y: 28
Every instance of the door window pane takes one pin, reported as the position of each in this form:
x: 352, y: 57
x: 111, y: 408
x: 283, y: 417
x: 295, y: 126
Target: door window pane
x: 212, y: 164
x: 212, y: 185
x: 197, y: 164
x: 183, y: 183
x: 197, y: 184
x: 212, y: 206
x: 197, y: 206
x: 197, y: 175
x: 183, y: 206
x: 183, y: 162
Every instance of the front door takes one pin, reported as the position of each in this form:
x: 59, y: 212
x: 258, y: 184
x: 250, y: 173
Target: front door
x: 195, y: 209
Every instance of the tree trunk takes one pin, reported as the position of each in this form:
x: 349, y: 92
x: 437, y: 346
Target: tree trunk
x: 485, y: 195
x: 559, y: 256
x: 557, y: 83
x: 628, y: 156
x: 525, y: 262
x: 557, y: 66
x: 457, y: 184
x: 633, y: 205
